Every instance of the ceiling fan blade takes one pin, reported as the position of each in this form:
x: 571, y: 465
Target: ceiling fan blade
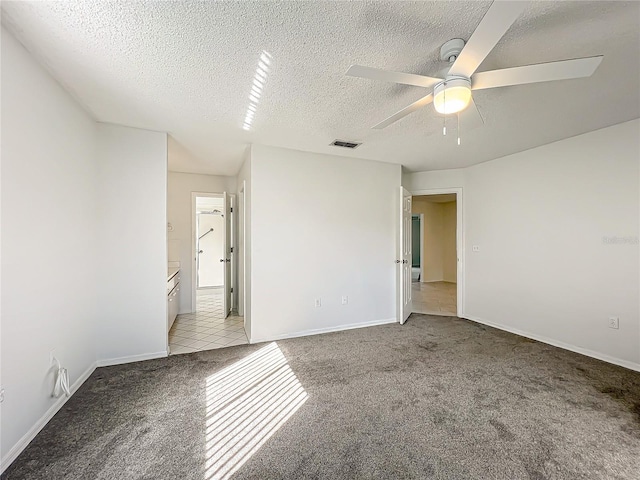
x: 405, y: 111
x: 492, y: 27
x: 470, y: 118
x: 394, y: 77
x: 541, y: 72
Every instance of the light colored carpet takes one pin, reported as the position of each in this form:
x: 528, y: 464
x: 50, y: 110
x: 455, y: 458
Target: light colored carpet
x: 438, y: 398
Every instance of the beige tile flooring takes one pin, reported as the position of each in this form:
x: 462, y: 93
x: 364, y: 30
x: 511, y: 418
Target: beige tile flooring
x: 207, y: 328
x: 435, y: 298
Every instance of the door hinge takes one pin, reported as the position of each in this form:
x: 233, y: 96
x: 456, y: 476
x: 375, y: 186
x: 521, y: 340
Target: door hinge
x: 231, y: 209
x: 231, y: 289
x: 231, y: 249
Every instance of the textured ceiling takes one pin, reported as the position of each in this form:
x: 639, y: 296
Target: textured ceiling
x: 187, y: 68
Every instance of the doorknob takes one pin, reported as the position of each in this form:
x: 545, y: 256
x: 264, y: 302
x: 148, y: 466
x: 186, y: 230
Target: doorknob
x: 221, y: 260
x: 199, y: 251
x: 398, y: 261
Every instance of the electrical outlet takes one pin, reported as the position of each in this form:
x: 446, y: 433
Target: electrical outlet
x: 345, y: 300
x: 1, y: 395
x: 318, y: 302
x: 476, y: 248
x: 614, y: 322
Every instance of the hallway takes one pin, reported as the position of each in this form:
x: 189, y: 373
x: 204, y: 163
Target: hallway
x: 434, y: 298
x: 207, y: 328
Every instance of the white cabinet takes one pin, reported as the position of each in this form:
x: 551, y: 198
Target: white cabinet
x: 173, y: 298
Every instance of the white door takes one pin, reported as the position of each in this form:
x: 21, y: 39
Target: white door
x: 227, y: 256
x: 233, y: 252
x: 404, y: 262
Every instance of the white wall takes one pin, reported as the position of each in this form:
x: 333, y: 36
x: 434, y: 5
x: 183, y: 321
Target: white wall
x: 132, y: 295
x: 540, y: 218
x: 180, y: 187
x: 83, y: 244
x: 435, y: 179
x: 244, y: 242
x: 48, y: 243
x: 322, y: 227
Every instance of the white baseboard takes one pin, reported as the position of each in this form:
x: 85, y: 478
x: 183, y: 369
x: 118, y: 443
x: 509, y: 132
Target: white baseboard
x: 107, y: 362
x: 318, y: 331
x: 556, y: 343
x: 39, y: 425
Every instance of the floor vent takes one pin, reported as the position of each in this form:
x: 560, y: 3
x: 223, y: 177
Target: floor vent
x: 342, y: 143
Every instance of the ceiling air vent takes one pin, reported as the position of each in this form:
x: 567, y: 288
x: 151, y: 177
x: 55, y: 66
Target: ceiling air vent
x: 342, y: 143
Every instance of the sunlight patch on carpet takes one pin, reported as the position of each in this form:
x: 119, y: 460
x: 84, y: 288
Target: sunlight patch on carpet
x: 246, y: 403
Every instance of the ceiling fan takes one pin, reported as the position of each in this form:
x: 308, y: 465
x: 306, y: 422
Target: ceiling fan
x: 452, y: 94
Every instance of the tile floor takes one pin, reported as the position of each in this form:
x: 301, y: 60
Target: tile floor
x: 206, y: 329
x: 434, y: 298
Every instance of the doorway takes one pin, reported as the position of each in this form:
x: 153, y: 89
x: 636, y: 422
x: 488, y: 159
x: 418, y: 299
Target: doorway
x: 210, y: 233
x: 210, y: 259
x: 435, y: 266
x: 214, y: 321
x: 417, y: 234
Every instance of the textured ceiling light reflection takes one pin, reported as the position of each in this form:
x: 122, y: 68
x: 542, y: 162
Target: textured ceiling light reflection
x: 246, y: 404
x: 257, y: 86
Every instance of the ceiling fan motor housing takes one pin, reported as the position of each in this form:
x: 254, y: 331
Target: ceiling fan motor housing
x: 452, y: 95
x: 450, y: 50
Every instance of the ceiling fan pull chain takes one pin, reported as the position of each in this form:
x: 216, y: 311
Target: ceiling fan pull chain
x: 458, y: 116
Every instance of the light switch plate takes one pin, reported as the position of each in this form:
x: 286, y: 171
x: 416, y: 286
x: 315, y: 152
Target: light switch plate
x: 476, y: 248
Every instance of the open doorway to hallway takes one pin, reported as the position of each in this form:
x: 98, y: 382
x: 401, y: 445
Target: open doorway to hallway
x: 214, y: 321
x: 435, y: 259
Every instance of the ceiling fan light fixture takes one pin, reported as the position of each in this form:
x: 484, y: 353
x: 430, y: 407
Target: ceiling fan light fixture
x: 452, y: 96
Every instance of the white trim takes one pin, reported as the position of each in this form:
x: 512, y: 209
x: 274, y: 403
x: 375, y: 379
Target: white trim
x: 40, y: 424
x: 225, y: 251
x: 460, y: 240
x: 318, y: 331
x: 233, y: 253
x: 107, y: 362
x: 559, y: 344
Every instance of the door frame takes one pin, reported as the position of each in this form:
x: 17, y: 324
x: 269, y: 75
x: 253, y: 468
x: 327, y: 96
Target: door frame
x: 242, y: 260
x: 233, y: 249
x: 460, y: 240
x: 194, y: 240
